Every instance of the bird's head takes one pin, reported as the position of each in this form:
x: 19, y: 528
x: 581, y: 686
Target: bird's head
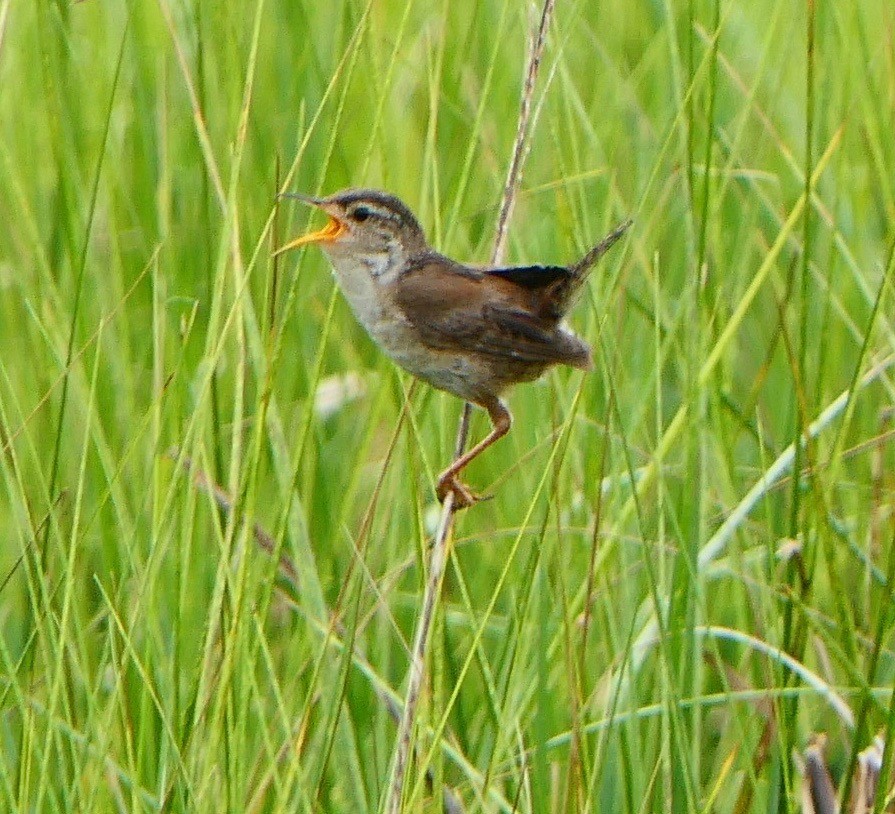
x: 367, y: 227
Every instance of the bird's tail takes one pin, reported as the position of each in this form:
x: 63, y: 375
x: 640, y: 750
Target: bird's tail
x: 566, y: 291
x: 585, y: 263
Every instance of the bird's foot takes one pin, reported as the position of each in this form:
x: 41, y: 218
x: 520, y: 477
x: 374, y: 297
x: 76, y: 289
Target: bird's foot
x: 464, y: 497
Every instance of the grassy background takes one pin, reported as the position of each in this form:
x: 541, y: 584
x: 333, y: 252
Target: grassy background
x: 663, y: 599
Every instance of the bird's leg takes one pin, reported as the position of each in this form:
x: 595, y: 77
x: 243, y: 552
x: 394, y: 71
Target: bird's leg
x: 448, y: 480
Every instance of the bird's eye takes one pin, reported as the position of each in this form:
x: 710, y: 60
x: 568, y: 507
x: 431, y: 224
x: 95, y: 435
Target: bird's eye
x: 361, y: 213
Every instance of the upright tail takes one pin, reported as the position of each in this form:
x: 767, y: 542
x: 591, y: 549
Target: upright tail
x: 584, y: 264
x: 566, y: 289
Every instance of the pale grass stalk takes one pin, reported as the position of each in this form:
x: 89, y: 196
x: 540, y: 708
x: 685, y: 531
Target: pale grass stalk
x: 647, y: 637
x: 440, y: 544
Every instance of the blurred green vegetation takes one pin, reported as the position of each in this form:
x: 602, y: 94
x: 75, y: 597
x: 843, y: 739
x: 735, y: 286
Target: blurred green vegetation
x: 599, y: 646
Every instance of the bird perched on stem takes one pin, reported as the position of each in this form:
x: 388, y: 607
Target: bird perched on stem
x: 467, y: 330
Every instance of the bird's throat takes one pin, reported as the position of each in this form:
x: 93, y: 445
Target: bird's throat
x: 361, y: 278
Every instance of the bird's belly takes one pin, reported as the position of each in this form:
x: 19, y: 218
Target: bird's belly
x: 452, y: 372
x: 456, y: 373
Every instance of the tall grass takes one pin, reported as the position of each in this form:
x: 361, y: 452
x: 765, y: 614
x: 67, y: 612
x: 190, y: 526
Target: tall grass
x: 686, y: 568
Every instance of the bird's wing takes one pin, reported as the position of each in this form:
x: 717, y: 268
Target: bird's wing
x: 519, y: 335
x: 456, y: 311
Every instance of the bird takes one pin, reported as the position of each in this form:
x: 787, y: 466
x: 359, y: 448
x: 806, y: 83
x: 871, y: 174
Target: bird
x: 468, y: 330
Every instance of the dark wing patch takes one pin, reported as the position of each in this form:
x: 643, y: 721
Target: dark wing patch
x: 532, y: 277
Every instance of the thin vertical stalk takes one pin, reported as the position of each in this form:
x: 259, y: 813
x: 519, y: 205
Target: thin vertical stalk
x: 793, y: 637
x: 439, y: 554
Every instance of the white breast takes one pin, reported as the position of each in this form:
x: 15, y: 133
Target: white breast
x: 363, y: 288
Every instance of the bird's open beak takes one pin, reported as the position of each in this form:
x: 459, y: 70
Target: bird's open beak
x: 331, y: 231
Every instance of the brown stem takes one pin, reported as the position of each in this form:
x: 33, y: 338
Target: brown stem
x: 438, y: 557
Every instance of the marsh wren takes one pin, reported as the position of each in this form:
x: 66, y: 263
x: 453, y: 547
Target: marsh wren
x: 467, y: 330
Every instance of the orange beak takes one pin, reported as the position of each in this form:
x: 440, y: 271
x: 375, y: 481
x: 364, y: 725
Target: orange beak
x: 331, y: 231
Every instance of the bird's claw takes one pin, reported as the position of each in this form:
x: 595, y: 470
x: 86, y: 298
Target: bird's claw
x: 464, y: 497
